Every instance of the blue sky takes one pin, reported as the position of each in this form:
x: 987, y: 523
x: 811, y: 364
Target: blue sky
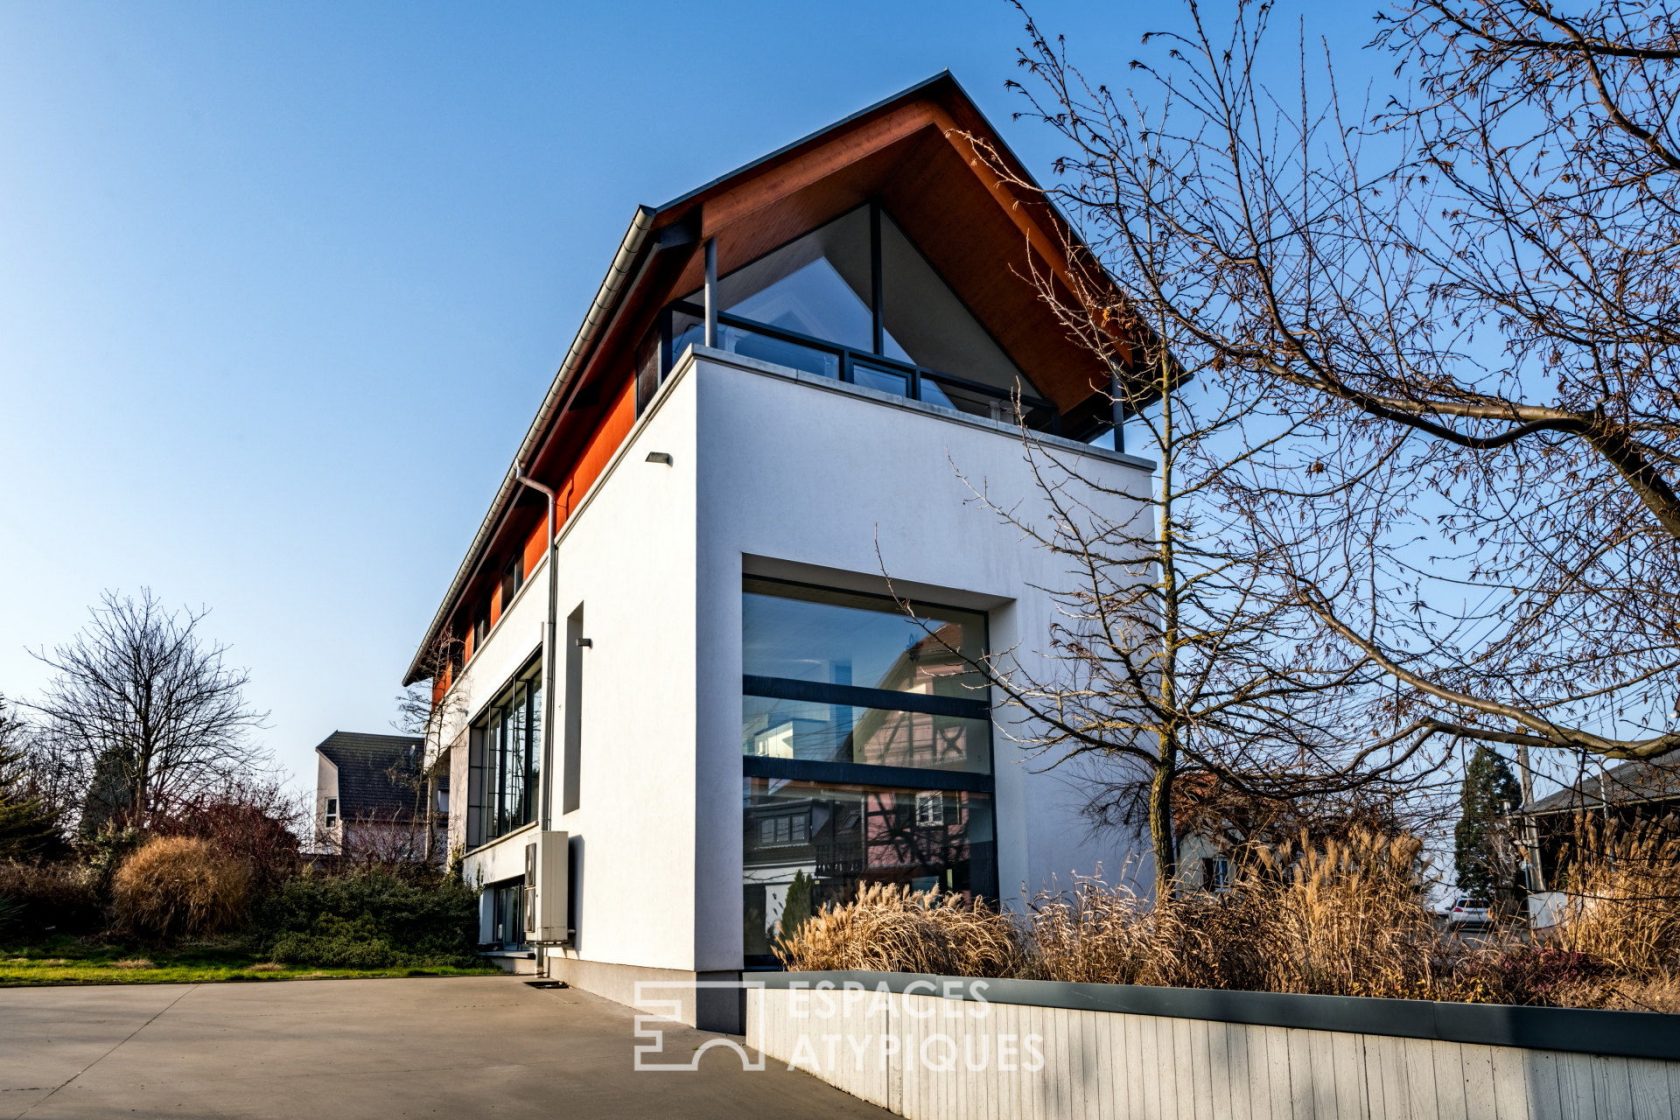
x: 281, y: 285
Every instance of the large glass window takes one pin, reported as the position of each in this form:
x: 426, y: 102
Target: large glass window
x: 866, y: 744
x: 506, y: 760
x: 809, y: 843
x: 926, y: 324
x: 795, y: 632
x: 799, y: 729
x: 818, y: 285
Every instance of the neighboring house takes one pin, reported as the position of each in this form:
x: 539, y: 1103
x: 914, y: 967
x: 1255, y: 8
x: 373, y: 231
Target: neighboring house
x: 371, y: 799
x: 1220, y: 829
x: 1624, y: 794
x: 791, y: 381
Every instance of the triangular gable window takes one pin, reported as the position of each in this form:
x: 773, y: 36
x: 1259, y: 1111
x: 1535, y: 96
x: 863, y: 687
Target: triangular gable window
x: 817, y: 291
x: 924, y: 322
x: 817, y: 286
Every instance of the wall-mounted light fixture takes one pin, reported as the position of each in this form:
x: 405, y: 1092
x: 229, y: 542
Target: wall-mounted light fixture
x: 659, y: 457
x: 585, y: 643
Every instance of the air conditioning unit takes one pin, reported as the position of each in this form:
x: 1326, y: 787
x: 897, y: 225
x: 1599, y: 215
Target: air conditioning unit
x: 547, y: 890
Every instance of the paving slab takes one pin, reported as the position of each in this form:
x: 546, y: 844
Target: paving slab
x: 461, y: 1047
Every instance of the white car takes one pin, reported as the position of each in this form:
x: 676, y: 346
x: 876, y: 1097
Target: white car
x: 1467, y: 911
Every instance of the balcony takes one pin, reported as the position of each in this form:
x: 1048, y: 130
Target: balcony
x: 855, y: 301
x: 781, y: 347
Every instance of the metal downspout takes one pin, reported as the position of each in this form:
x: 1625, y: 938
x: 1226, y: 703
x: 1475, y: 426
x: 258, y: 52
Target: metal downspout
x: 550, y: 648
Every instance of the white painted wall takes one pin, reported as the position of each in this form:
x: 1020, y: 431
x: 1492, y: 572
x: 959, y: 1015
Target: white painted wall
x: 626, y: 555
x: 774, y: 474
x: 326, y: 786
x: 803, y: 477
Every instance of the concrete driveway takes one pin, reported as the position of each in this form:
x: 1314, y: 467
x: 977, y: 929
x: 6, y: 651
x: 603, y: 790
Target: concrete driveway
x: 470, y: 1047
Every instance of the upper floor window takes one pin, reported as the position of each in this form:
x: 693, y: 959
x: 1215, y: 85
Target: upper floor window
x: 856, y: 301
x: 838, y: 677
x: 513, y: 577
x: 820, y: 285
x: 505, y: 760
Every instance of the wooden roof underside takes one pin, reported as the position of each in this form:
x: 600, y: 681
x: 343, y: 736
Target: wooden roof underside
x: 986, y: 238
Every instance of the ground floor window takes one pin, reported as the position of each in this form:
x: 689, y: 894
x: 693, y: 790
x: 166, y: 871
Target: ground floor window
x: 506, y: 905
x: 866, y: 752
x: 807, y: 844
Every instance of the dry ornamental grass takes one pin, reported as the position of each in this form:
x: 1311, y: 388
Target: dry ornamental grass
x: 179, y: 886
x: 1348, y: 916
x: 891, y: 928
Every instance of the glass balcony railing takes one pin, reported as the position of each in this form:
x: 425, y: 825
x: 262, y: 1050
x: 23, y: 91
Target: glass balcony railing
x: 870, y: 371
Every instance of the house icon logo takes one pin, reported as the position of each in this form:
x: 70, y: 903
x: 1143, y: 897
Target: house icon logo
x: 659, y: 1010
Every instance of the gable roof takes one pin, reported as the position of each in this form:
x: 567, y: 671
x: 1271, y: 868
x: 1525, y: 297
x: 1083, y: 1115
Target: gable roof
x: 1629, y: 783
x: 950, y: 182
x: 371, y: 773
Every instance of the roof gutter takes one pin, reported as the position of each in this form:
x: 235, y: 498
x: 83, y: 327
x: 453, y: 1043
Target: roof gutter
x: 600, y: 311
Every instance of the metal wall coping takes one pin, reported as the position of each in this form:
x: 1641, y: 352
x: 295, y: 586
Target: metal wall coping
x: 1624, y: 1034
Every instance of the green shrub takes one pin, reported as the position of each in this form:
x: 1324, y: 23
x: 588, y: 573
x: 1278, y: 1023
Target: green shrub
x: 102, y: 854
x: 179, y: 886
x: 338, y: 943
x: 371, y: 919
x: 37, y: 899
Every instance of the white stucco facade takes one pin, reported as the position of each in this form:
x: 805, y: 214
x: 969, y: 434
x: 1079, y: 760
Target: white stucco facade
x: 329, y: 831
x: 771, y: 473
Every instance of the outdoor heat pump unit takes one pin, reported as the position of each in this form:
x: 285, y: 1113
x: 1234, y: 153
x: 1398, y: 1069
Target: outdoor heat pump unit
x: 547, y: 921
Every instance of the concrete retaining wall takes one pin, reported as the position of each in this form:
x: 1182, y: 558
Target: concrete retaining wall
x: 929, y: 1047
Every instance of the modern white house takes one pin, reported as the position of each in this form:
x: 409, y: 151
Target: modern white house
x: 682, y: 706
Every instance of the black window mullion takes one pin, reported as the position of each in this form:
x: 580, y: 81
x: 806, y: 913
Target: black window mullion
x: 857, y: 696
x: 877, y: 326
x: 863, y: 774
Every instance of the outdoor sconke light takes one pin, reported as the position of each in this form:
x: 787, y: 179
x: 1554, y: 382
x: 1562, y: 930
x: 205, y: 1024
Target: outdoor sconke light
x: 585, y: 643
x: 659, y: 457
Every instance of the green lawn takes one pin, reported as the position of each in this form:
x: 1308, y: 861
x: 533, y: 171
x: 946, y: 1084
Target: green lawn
x: 76, y: 961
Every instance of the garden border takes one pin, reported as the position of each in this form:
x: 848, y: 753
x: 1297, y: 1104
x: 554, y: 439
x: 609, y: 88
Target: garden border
x: 1620, y: 1034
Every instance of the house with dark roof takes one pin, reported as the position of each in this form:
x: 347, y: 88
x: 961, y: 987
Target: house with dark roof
x: 681, y: 704
x: 374, y: 800
x: 1635, y: 792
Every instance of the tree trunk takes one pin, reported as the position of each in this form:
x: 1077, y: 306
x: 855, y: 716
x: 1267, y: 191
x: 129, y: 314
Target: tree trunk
x: 1160, y: 819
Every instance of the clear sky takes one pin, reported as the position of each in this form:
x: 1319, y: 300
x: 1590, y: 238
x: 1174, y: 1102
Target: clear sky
x: 282, y: 285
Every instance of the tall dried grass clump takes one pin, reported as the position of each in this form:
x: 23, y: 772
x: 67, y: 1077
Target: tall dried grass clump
x: 179, y: 886
x: 891, y: 928
x: 1625, y: 904
x: 1345, y: 918
x: 1092, y: 933
x: 38, y: 898
x: 1102, y: 934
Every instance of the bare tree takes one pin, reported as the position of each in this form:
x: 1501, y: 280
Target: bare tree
x: 148, y: 710
x: 1470, y: 294
x: 1178, y: 648
x: 31, y: 822
x: 429, y: 711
